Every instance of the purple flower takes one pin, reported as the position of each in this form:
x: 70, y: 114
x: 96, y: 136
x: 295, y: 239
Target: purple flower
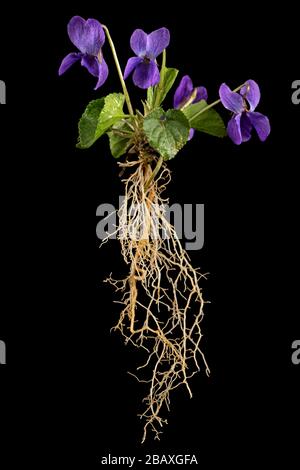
x: 147, y: 47
x: 184, y: 93
x: 88, y: 36
x: 244, y: 119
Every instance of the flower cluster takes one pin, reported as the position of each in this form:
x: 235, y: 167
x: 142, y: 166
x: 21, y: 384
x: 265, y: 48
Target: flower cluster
x: 89, y: 37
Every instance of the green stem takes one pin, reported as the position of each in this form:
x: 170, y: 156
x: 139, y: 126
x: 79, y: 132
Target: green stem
x: 213, y: 104
x: 155, y: 171
x: 114, y: 53
x: 190, y: 100
x: 162, y: 79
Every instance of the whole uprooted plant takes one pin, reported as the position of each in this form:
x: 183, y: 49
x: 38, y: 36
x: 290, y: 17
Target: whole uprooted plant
x: 161, y: 298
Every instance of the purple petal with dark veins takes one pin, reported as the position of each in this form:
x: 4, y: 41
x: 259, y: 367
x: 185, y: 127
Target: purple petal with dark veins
x: 231, y: 100
x: 201, y: 94
x: 69, y: 60
x: 88, y: 36
x: 157, y: 41
x: 146, y: 74
x: 234, y: 129
x: 132, y: 63
x: 246, y: 127
x: 138, y: 42
x: 251, y: 93
x: 183, y: 92
x: 96, y: 68
x: 261, y: 124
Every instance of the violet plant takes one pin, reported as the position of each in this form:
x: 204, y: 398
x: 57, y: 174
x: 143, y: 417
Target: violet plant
x: 162, y: 304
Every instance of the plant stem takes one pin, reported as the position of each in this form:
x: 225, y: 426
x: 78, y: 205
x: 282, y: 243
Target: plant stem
x: 155, y: 171
x: 162, y: 79
x: 213, y: 104
x: 114, y: 53
x: 190, y: 100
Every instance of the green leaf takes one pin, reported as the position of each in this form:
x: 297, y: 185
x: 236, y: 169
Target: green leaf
x: 88, y: 123
x: 120, y: 139
x: 98, y: 118
x: 193, y: 109
x: 166, y: 132
x: 111, y: 112
x: 168, y: 77
x: 208, y: 121
x: 150, y: 94
x: 156, y: 95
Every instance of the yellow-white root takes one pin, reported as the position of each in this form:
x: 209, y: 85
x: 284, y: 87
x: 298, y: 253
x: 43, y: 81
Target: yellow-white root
x: 162, y: 303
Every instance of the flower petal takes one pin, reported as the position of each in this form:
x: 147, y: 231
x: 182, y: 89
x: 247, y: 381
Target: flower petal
x: 88, y: 36
x: 183, y: 92
x: 234, y: 129
x: 96, y: 68
x: 201, y: 94
x: 251, y: 93
x: 91, y: 63
x: 191, y: 134
x: 246, y: 127
x: 95, y: 36
x: 103, y: 74
x: 261, y: 124
x: 157, y: 41
x: 75, y: 30
x: 132, y: 63
x: 231, y: 100
x: 69, y: 60
x: 138, y: 42
x: 146, y: 75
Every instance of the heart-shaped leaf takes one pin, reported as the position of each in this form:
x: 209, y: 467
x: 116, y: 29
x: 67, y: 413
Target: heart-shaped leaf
x: 166, y: 132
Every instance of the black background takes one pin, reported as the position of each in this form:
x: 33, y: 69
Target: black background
x: 65, y: 387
